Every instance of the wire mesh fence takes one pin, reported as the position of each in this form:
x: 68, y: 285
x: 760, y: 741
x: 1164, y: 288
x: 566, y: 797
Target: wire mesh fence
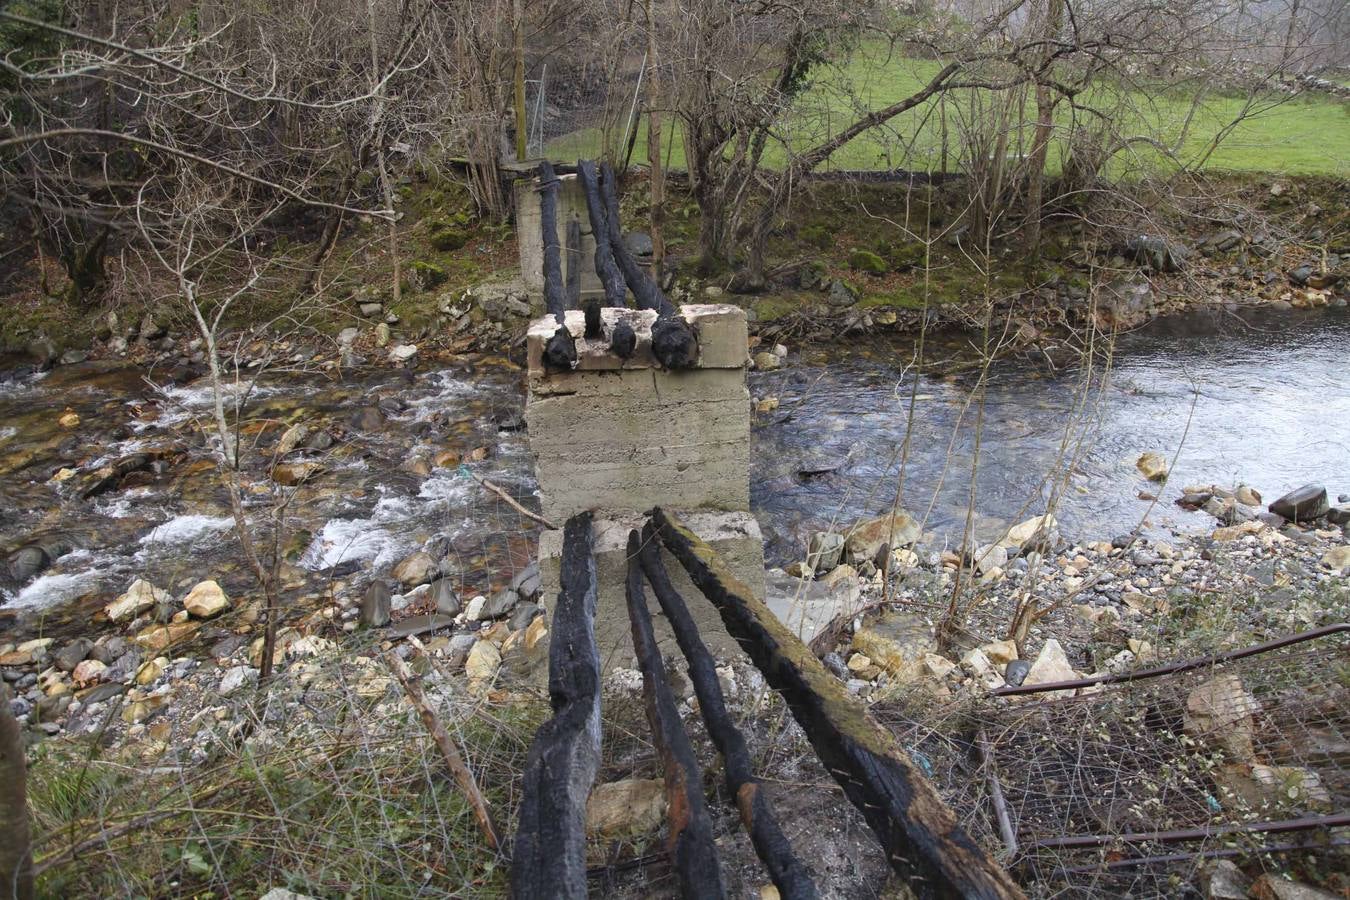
x: 1131, y: 789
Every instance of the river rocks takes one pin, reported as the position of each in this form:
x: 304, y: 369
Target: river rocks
x: 72, y: 654
x: 414, y: 569
x: 866, y: 538
x: 824, y: 550
x: 160, y: 637
x: 989, y: 558
x: 1051, y: 665
x: 375, y: 605
x: 403, y: 354
x: 206, y: 600
x: 897, y: 642
x: 1273, y: 887
x: 415, y: 625
x: 526, y: 582
x: 1339, y: 515
x: 624, y: 810
x: 1039, y: 534
x: 88, y: 672
x: 28, y: 562
x: 1302, y: 505
x: 1219, y: 712
x: 445, y: 597
x: 766, y: 362
x: 368, y: 418
x: 1000, y: 653
x: 1246, y: 495
x: 1152, y: 466
x: 294, y: 474
x: 1337, y: 559
x: 482, y: 662
x: 1223, y: 880
x: 499, y: 604
x: 841, y: 294
x: 1156, y: 252
x: 143, y: 708
x: 150, y: 671
x: 292, y: 438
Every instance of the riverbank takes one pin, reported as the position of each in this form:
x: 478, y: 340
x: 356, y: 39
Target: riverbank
x: 146, y: 724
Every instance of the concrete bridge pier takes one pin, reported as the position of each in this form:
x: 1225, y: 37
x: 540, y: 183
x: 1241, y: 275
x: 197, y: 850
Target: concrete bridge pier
x: 622, y: 436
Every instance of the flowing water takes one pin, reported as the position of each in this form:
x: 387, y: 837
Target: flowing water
x: 1264, y: 401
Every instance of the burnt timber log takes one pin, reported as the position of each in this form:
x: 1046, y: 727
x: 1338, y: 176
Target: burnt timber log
x: 689, y: 839
x: 673, y: 342
x: 572, y: 278
x: 616, y: 292
x: 920, y: 835
x: 786, y: 872
x: 561, y: 350
x: 549, y: 854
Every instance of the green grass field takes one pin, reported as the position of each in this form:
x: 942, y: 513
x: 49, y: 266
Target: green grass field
x: 1304, y: 136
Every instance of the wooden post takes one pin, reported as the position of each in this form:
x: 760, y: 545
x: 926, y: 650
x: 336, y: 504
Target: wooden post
x: 561, y: 350
x: 549, y: 855
x: 920, y: 835
x: 689, y: 838
x: 786, y: 872
x: 572, y: 279
x: 616, y: 292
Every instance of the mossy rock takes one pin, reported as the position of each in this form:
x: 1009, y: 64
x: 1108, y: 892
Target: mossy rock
x: 905, y: 257
x: 428, y: 275
x: 867, y: 261
x: 447, y: 236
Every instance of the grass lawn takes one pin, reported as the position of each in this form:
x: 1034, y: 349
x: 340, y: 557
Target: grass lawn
x: 1304, y: 136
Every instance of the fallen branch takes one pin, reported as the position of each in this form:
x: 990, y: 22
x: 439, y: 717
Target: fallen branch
x: 689, y: 838
x: 514, y: 503
x: 772, y: 846
x: 920, y: 835
x: 454, y: 760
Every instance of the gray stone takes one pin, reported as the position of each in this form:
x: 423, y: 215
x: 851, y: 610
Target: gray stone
x: 459, y: 648
x: 824, y: 550
x: 499, y: 604
x: 105, y: 651
x: 523, y: 615
x: 72, y: 654
x: 841, y: 295
x: 446, y: 598
x: 371, y: 310
x: 375, y: 605
x: 414, y: 625
x: 526, y: 582
x: 806, y: 606
x: 1339, y: 515
x: 1016, y: 671
x: 124, y: 667
x: 368, y: 418
x: 835, y: 663
x: 639, y: 243
x: 1302, y: 505
x: 414, y: 569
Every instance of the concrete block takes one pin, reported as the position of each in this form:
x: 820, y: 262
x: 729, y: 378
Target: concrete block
x: 530, y: 236
x: 641, y: 438
x: 721, y: 329
x: 735, y: 535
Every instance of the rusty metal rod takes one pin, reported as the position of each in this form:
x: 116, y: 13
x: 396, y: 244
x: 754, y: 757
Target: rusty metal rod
x: 1184, y: 665
x: 689, y: 838
x: 772, y: 846
x: 1212, y: 853
x: 1306, y: 823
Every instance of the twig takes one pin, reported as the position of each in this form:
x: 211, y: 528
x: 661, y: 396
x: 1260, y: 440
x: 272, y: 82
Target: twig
x: 513, y: 503
x: 454, y: 760
x: 1005, y: 825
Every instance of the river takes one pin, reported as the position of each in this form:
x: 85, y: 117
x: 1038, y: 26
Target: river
x: 1263, y: 399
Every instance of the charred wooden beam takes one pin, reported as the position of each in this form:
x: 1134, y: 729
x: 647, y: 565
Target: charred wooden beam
x: 572, y: 279
x: 549, y: 855
x: 616, y: 292
x: 560, y: 352
x: 920, y: 835
x: 673, y: 342
x: 623, y: 340
x: 594, y: 330
x: 786, y: 872
x: 689, y: 838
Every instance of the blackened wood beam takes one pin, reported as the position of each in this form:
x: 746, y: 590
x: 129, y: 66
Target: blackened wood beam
x: 616, y: 292
x: 673, y: 342
x: 786, y: 872
x: 689, y: 838
x: 920, y: 835
x: 549, y: 855
x: 572, y: 279
x: 561, y: 350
